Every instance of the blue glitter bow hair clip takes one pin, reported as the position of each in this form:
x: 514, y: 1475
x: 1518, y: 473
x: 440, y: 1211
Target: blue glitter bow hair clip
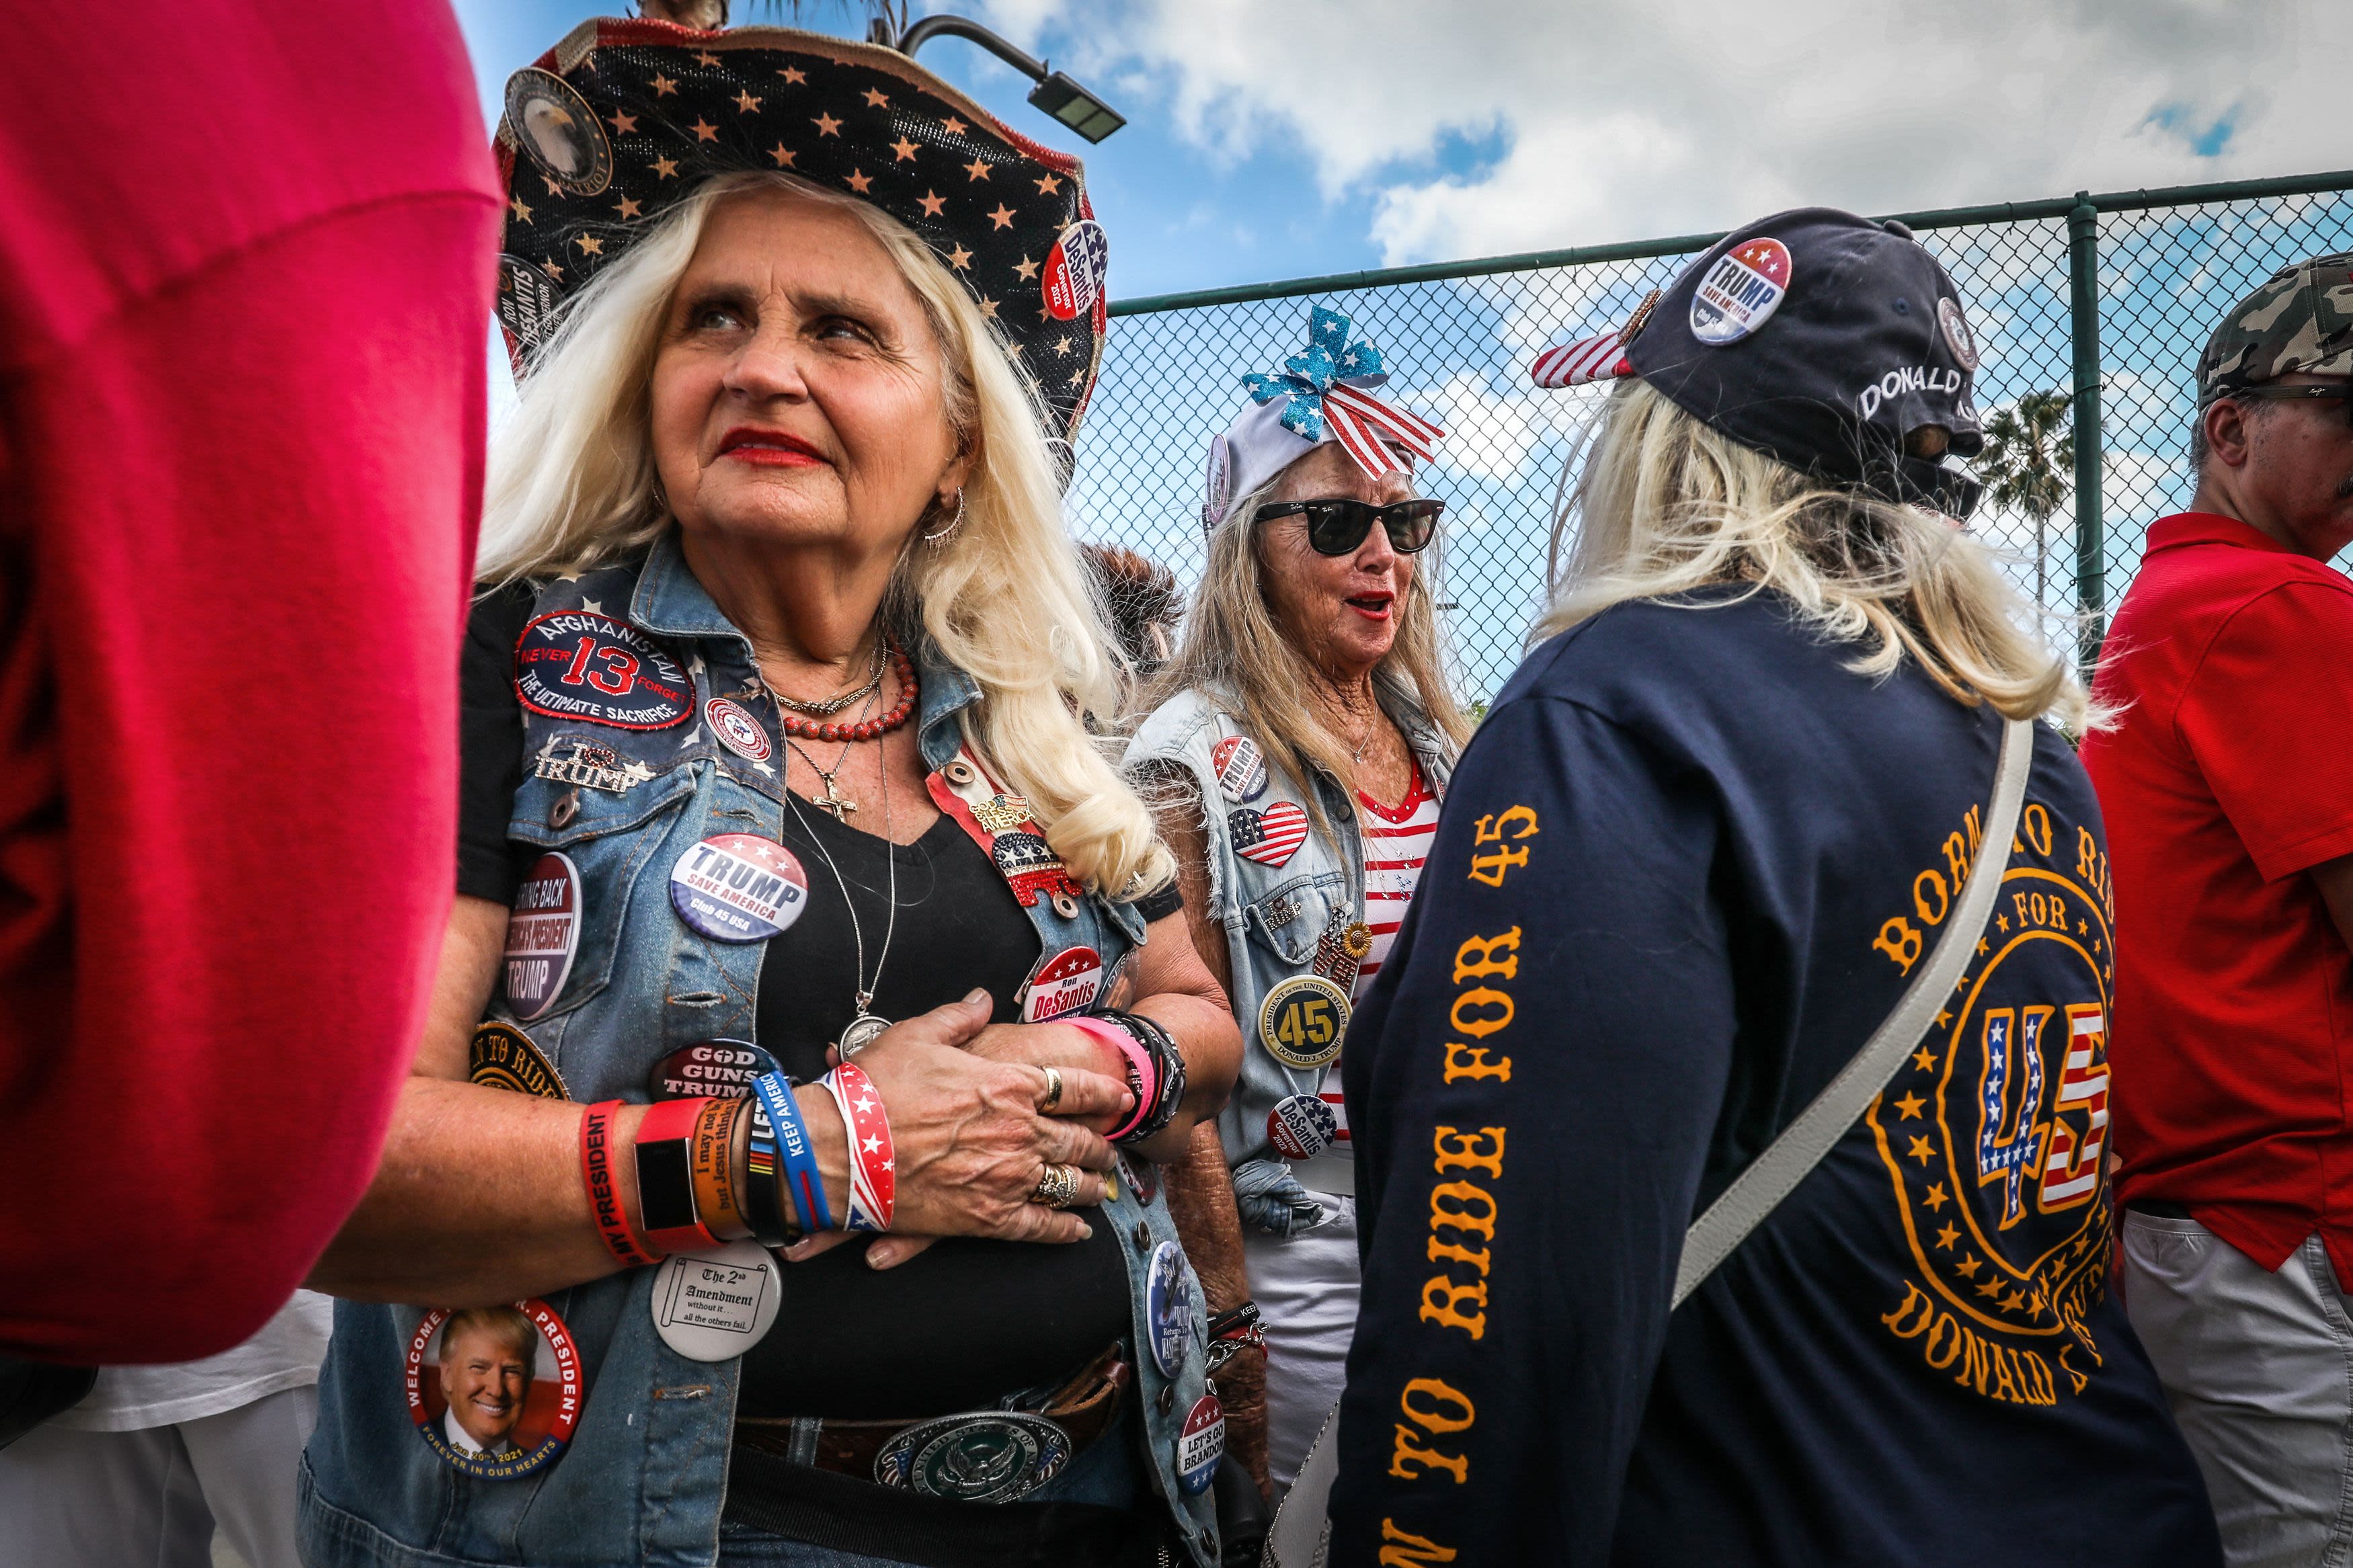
x: 1322, y: 395
x: 1318, y: 396
x: 1308, y: 377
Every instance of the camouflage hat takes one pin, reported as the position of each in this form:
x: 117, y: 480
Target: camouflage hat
x: 2300, y: 320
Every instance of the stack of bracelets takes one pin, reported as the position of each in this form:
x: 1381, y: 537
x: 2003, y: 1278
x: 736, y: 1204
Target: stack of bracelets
x: 712, y: 1171
x: 1155, y: 1067
x: 1232, y: 1332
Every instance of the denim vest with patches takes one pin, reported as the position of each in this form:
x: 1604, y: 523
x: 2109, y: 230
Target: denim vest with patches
x: 1275, y: 918
x: 645, y: 1474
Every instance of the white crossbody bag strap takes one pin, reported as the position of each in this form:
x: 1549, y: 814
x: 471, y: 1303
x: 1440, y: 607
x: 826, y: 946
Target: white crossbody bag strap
x: 1775, y: 1175
x: 1301, y: 1534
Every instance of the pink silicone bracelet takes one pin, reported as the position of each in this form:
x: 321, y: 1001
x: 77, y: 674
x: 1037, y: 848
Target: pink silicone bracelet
x: 1139, y: 1061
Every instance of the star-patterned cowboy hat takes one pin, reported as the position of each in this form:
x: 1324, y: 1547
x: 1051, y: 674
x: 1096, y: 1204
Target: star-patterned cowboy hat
x: 624, y: 118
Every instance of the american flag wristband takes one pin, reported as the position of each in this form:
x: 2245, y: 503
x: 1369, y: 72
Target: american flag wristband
x: 873, y: 1185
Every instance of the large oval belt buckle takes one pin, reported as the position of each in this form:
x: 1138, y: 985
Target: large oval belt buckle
x: 989, y: 1455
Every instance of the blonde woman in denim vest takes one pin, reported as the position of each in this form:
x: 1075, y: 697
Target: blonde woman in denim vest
x: 1298, y: 745
x: 796, y: 902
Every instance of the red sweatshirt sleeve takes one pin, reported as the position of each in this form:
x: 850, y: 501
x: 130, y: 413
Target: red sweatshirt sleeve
x: 245, y: 275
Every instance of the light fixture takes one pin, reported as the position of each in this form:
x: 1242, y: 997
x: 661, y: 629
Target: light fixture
x: 1077, y: 108
x: 1055, y: 92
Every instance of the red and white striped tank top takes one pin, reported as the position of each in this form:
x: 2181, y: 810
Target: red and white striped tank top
x: 1397, y: 841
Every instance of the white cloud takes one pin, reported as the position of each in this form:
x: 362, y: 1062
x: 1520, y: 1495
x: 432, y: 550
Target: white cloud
x: 1620, y: 121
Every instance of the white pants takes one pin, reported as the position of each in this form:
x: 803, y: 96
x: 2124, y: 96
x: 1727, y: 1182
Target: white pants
x: 1307, y: 1291
x: 2258, y: 1367
x: 150, y: 1498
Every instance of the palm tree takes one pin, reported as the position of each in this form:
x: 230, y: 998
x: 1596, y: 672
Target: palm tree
x: 2029, y: 462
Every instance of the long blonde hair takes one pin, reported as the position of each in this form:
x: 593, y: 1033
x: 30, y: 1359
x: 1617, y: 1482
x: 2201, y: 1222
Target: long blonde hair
x: 1668, y: 504
x: 571, y: 486
x: 1234, y: 648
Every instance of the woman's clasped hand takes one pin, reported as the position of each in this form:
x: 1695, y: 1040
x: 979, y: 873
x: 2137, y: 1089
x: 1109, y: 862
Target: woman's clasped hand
x: 971, y: 1140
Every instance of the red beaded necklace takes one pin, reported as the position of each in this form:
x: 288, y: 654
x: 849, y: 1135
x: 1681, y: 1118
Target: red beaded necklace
x: 810, y: 730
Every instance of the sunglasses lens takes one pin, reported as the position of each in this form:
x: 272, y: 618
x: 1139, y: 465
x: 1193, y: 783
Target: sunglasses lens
x: 1337, y: 527
x: 1412, y: 524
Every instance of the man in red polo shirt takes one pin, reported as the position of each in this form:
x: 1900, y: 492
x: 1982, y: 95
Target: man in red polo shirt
x: 2227, y: 779
x: 246, y: 256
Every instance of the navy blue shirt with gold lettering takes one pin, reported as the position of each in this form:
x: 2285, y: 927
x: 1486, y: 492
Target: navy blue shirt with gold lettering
x: 1687, y: 864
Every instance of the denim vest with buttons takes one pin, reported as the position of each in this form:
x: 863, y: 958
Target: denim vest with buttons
x: 1272, y: 917
x: 645, y: 1474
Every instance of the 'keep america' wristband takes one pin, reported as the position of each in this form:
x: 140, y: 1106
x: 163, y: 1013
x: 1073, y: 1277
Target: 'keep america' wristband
x: 794, y: 1152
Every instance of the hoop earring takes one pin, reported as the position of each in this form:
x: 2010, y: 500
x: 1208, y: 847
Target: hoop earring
x: 953, y: 523
x: 661, y: 500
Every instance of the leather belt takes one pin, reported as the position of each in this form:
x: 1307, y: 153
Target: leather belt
x: 974, y: 1455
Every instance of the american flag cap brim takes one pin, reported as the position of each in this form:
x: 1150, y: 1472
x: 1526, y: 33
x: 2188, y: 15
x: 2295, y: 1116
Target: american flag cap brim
x: 1601, y: 357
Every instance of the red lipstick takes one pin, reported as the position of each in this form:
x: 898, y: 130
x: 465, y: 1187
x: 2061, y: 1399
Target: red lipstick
x: 768, y: 448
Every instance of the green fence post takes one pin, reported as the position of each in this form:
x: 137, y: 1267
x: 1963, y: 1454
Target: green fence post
x: 2091, y: 534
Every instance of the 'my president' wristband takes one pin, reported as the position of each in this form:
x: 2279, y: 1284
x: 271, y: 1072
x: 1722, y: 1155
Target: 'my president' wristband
x: 794, y: 1152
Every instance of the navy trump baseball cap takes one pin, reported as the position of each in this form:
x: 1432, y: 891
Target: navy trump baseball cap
x: 1832, y: 343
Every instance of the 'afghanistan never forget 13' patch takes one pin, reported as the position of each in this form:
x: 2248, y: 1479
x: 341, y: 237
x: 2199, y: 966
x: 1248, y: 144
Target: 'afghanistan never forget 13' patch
x: 581, y: 664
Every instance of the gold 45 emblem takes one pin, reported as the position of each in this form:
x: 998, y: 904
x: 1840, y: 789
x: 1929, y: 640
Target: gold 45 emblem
x: 1302, y: 1020
x: 1995, y: 1133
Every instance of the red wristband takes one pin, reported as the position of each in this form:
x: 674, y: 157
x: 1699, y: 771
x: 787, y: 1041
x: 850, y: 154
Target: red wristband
x: 1143, y: 1072
x: 666, y: 1205
x: 604, y: 1196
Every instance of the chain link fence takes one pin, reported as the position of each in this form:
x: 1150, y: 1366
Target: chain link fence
x: 2146, y: 273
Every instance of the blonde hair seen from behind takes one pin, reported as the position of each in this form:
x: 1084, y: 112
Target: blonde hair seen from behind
x: 1668, y: 504
x: 571, y: 486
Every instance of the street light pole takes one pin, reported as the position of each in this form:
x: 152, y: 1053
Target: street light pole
x: 1055, y: 92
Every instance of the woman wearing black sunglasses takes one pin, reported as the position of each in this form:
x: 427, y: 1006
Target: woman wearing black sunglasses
x: 1298, y: 744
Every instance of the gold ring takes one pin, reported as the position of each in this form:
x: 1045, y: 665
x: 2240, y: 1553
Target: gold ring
x: 1058, y: 1187
x: 1053, y: 1091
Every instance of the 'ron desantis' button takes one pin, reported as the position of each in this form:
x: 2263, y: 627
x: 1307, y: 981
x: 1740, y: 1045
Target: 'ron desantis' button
x: 1301, y: 1127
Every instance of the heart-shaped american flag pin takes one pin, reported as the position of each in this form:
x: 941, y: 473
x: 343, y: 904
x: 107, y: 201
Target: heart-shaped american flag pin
x: 1271, y: 836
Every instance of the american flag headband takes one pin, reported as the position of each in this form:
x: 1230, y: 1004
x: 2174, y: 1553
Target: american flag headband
x: 1315, y: 385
